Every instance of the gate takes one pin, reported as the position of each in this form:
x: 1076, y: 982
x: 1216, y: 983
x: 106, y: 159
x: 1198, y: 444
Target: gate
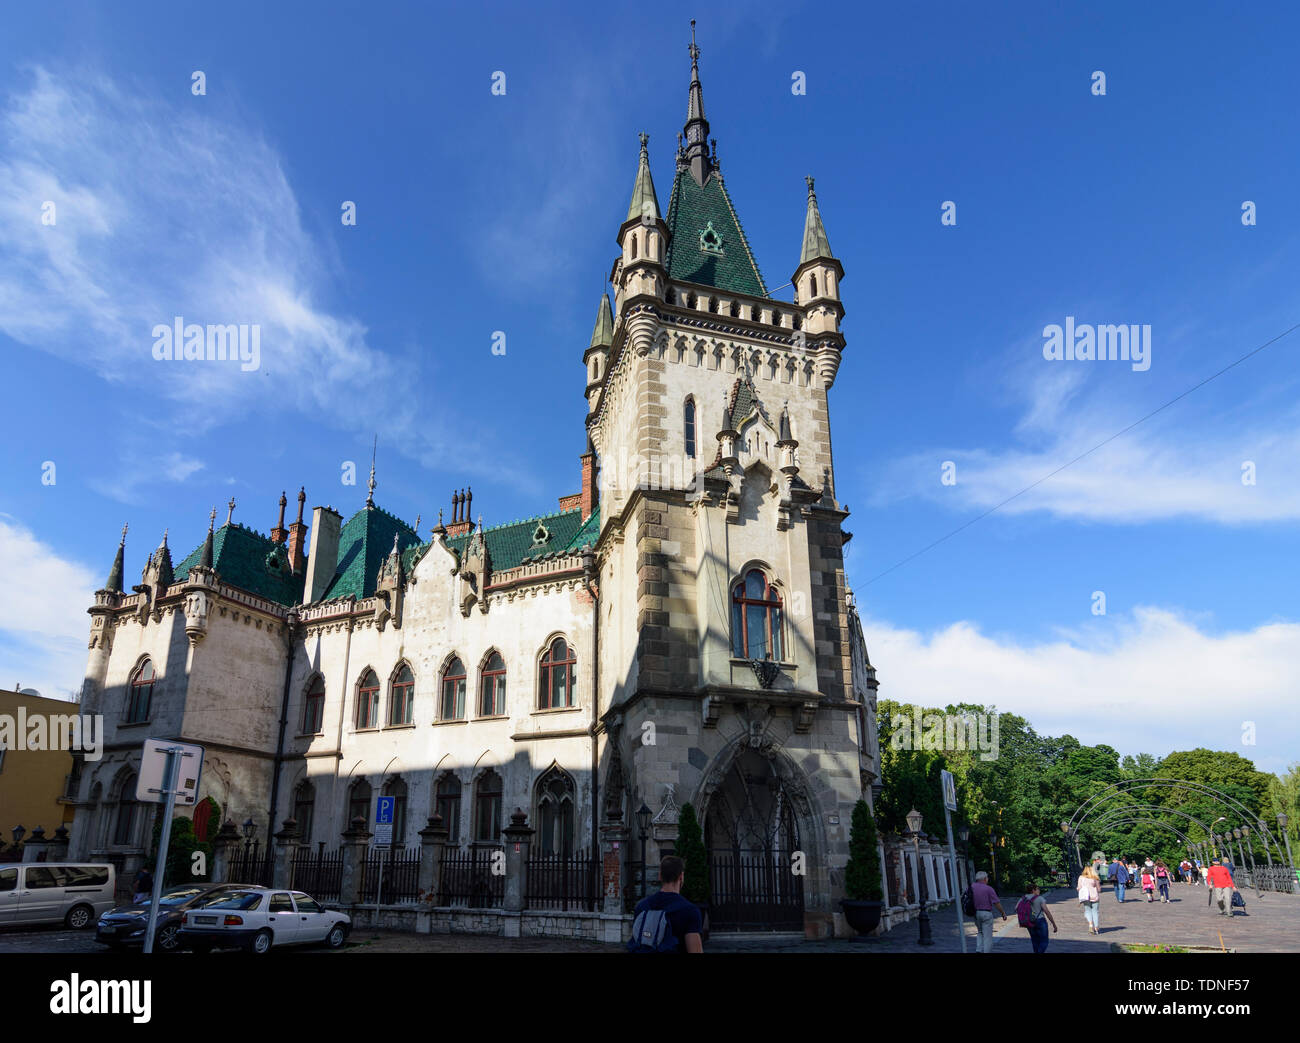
x: 754, y: 891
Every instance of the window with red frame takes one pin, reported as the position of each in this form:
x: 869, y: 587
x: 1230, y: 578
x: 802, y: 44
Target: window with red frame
x: 313, y: 709
x: 756, y: 618
x: 400, y: 706
x: 558, y: 671
x: 492, y: 685
x: 453, y: 691
x: 368, y: 701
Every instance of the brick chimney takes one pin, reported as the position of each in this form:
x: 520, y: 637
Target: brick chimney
x: 461, y: 519
x: 589, y: 498
x: 279, y: 534
x: 297, y: 535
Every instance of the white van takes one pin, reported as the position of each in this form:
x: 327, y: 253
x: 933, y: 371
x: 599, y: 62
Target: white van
x: 55, y: 892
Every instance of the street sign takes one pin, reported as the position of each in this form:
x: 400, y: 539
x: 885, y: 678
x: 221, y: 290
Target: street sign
x: 949, y: 790
x: 153, y: 771
x: 384, y: 810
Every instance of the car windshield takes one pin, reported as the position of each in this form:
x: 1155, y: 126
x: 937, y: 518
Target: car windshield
x: 179, y: 895
x: 238, y: 900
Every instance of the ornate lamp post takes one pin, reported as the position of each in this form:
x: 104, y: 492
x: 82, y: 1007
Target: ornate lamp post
x: 643, y: 830
x: 1290, y: 862
x: 923, y: 918
x: 19, y: 832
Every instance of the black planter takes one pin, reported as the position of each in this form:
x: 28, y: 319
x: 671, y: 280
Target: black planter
x: 863, y: 917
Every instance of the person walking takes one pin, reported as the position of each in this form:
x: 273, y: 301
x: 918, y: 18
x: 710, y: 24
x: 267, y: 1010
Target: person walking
x: 1119, y: 873
x: 142, y: 887
x: 1090, y: 898
x: 1219, y: 880
x: 683, y: 918
x: 1033, y: 913
x: 1148, y: 885
x: 986, y: 900
x: 1162, y: 880
x: 1185, y: 871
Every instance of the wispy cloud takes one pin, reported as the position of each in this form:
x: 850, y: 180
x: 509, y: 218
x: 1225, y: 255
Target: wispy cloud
x: 162, y: 209
x: 1154, y: 681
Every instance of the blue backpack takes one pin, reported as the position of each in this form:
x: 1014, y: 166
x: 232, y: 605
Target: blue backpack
x: 651, y: 932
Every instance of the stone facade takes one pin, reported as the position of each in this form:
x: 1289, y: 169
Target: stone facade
x: 708, y: 475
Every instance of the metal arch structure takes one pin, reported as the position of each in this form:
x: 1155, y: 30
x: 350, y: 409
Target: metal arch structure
x: 1153, y: 807
x: 1127, y: 786
x: 1107, y: 821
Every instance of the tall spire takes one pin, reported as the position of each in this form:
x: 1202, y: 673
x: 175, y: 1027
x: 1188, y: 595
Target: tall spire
x: 114, y: 583
x: 370, y: 485
x: 205, y: 559
x: 602, y: 336
x: 695, y: 152
x: 815, y: 243
x: 645, y: 204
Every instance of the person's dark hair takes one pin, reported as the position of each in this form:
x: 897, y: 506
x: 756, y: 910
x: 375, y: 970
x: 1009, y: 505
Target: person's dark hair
x: 671, y: 869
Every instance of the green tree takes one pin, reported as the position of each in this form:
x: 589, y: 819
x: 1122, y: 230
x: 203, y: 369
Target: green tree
x: 862, y: 874
x: 690, y: 846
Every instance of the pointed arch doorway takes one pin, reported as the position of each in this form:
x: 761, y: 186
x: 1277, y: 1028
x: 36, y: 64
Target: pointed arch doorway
x: 751, y: 829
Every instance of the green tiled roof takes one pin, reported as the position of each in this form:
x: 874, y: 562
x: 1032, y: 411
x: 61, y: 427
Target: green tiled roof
x: 690, y: 211
x: 512, y: 544
x: 365, y: 540
x: 240, y: 557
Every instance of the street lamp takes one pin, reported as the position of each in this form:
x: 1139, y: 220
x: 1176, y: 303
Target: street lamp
x: 19, y: 832
x: 643, y: 829
x: 1281, y: 825
x: 250, y: 827
x: 923, y: 919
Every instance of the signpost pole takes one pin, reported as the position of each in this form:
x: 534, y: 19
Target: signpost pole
x: 164, y: 839
x: 949, y: 806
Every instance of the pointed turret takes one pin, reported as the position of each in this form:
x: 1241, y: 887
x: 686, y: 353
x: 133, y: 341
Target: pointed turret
x: 114, y: 583
x: 645, y: 204
x: 205, y: 558
x: 817, y: 290
x: 596, y: 357
x: 639, y: 277
x: 162, y: 563
x: 694, y: 153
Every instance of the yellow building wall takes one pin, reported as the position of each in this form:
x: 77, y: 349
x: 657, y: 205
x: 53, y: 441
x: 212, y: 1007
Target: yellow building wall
x: 32, y: 781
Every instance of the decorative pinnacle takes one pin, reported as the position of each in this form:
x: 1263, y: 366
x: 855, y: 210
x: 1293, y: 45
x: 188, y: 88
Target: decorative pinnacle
x: 695, y: 51
x: 123, y: 543
x: 212, y: 519
x: 809, y: 179
x: 370, y: 485
x: 645, y: 142
x: 231, y: 512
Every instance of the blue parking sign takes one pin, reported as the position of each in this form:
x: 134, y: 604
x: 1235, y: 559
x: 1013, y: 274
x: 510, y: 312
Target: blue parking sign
x: 384, y: 811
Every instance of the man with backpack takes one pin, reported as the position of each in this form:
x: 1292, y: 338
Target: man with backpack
x: 1033, y: 914
x: 665, y: 921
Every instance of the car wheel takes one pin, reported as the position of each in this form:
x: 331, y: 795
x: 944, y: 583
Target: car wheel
x: 168, y: 939
x: 335, y: 938
x: 79, y: 917
x: 261, y: 943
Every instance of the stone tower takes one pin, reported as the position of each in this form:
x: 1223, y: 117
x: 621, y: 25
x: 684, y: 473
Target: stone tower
x: 728, y: 677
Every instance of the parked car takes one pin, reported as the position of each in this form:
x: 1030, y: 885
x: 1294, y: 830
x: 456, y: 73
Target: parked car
x: 257, y: 918
x: 126, y: 924
x: 53, y: 892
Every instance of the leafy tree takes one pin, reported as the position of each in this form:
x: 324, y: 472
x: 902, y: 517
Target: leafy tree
x: 180, y: 850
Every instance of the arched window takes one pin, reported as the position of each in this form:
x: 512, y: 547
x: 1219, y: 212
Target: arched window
x: 558, y: 670
x: 453, y: 690
x: 812, y: 286
x: 555, y: 813
x: 690, y: 428
x: 487, y: 808
x: 140, y: 695
x: 448, y: 805
x: 127, y: 812
x: 304, y: 805
x: 359, y: 802
x: 492, y: 687
x: 402, y: 702
x: 396, y: 788
x: 756, y: 618
x: 368, y: 701
x: 313, y: 707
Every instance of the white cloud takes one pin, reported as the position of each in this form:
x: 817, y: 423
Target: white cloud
x: 43, y: 621
x: 1185, y: 463
x: 164, y: 209
x: 1151, y: 682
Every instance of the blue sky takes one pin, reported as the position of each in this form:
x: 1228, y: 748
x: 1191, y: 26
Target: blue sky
x: 478, y: 213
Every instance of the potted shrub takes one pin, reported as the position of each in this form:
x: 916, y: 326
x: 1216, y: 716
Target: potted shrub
x: 691, y: 849
x: 863, y: 897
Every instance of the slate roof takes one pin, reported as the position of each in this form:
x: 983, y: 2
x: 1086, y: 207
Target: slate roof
x: 690, y: 210
x: 365, y: 540
x: 240, y: 557
x: 512, y: 544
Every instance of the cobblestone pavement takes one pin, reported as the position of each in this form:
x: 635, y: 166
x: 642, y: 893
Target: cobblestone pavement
x: 1271, y: 923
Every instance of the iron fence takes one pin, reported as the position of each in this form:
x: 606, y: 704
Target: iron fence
x: 250, y: 865
x: 563, y: 882
x: 394, y: 871
x: 1268, y: 878
x: 754, y: 891
x: 319, y: 873
x: 469, y: 879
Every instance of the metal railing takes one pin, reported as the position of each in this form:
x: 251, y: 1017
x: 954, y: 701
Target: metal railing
x: 319, y: 872
x: 390, y: 875
x: 563, y: 882
x: 468, y: 878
